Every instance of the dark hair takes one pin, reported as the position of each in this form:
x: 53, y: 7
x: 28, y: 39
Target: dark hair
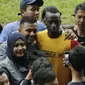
x: 40, y: 63
x: 1, y: 71
x: 42, y: 71
x: 51, y: 9
x: 27, y: 20
x: 79, y: 6
x: 77, y: 57
x: 4, y: 70
x: 43, y: 75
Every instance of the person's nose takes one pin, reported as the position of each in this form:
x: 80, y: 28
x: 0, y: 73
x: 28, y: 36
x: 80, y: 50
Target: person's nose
x: 37, y: 12
x: 19, y: 47
x: 82, y: 19
x: 53, y: 25
x: 32, y: 34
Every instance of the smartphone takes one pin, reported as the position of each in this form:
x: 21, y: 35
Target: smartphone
x: 66, y: 58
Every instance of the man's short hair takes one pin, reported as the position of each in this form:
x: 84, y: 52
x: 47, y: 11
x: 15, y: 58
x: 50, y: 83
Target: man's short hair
x: 27, y: 20
x: 42, y: 71
x: 44, y: 75
x: 51, y: 9
x: 77, y: 57
x: 79, y: 6
x: 40, y: 63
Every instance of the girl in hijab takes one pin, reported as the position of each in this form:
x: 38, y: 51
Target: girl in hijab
x: 16, y: 64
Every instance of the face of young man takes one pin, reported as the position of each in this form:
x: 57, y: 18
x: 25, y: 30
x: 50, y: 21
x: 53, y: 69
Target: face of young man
x: 52, y: 21
x: 29, y: 31
x: 80, y: 19
x: 54, y: 82
x: 19, y: 48
x: 32, y: 11
x: 4, y: 79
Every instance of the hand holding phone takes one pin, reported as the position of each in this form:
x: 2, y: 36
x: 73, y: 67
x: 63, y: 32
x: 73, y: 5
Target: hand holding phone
x: 66, y: 58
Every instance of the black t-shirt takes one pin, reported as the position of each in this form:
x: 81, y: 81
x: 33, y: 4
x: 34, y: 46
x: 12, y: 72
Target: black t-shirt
x: 81, y: 40
x: 76, y: 83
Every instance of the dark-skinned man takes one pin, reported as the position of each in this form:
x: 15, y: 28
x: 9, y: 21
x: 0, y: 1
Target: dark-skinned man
x: 53, y: 42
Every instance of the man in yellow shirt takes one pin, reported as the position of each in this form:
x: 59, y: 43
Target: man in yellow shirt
x: 53, y: 42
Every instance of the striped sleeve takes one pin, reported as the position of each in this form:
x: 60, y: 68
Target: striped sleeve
x: 74, y: 43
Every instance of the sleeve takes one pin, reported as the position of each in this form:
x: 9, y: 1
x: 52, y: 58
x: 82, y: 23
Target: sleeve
x: 4, y: 34
x: 41, y: 26
x: 74, y: 43
x: 25, y: 82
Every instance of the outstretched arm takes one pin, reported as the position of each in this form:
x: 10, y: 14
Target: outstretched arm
x: 27, y: 80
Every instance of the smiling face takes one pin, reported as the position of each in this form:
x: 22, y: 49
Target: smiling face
x: 29, y: 31
x: 4, y: 79
x: 19, y: 48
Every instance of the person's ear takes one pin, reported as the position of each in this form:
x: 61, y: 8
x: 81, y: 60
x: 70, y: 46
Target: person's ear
x: 22, y: 12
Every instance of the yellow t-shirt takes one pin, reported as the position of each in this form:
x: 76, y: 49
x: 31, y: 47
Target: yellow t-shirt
x: 56, y: 48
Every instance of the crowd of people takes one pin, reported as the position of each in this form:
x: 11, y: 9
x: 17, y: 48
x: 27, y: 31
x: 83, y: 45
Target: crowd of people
x: 45, y: 52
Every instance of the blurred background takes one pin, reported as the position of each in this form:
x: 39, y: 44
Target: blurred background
x: 10, y: 8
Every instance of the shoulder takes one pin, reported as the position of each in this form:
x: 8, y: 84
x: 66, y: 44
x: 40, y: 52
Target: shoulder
x: 5, y: 63
x: 8, y: 64
x: 76, y: 83
x: 7, y: 30
x: 41, y: 26
x: 40, y: 23
x: 41, y: 33
x: 74, y: 43
x: 72, y: 83
x: 11, y: 24
x: 26, y: 82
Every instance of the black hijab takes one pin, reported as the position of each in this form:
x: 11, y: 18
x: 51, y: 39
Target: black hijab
x: 19, y: 61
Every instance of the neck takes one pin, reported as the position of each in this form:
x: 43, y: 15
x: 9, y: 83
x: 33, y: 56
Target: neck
x: 77, y: 76
x: 54, y: 34
x: 81, y: 33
